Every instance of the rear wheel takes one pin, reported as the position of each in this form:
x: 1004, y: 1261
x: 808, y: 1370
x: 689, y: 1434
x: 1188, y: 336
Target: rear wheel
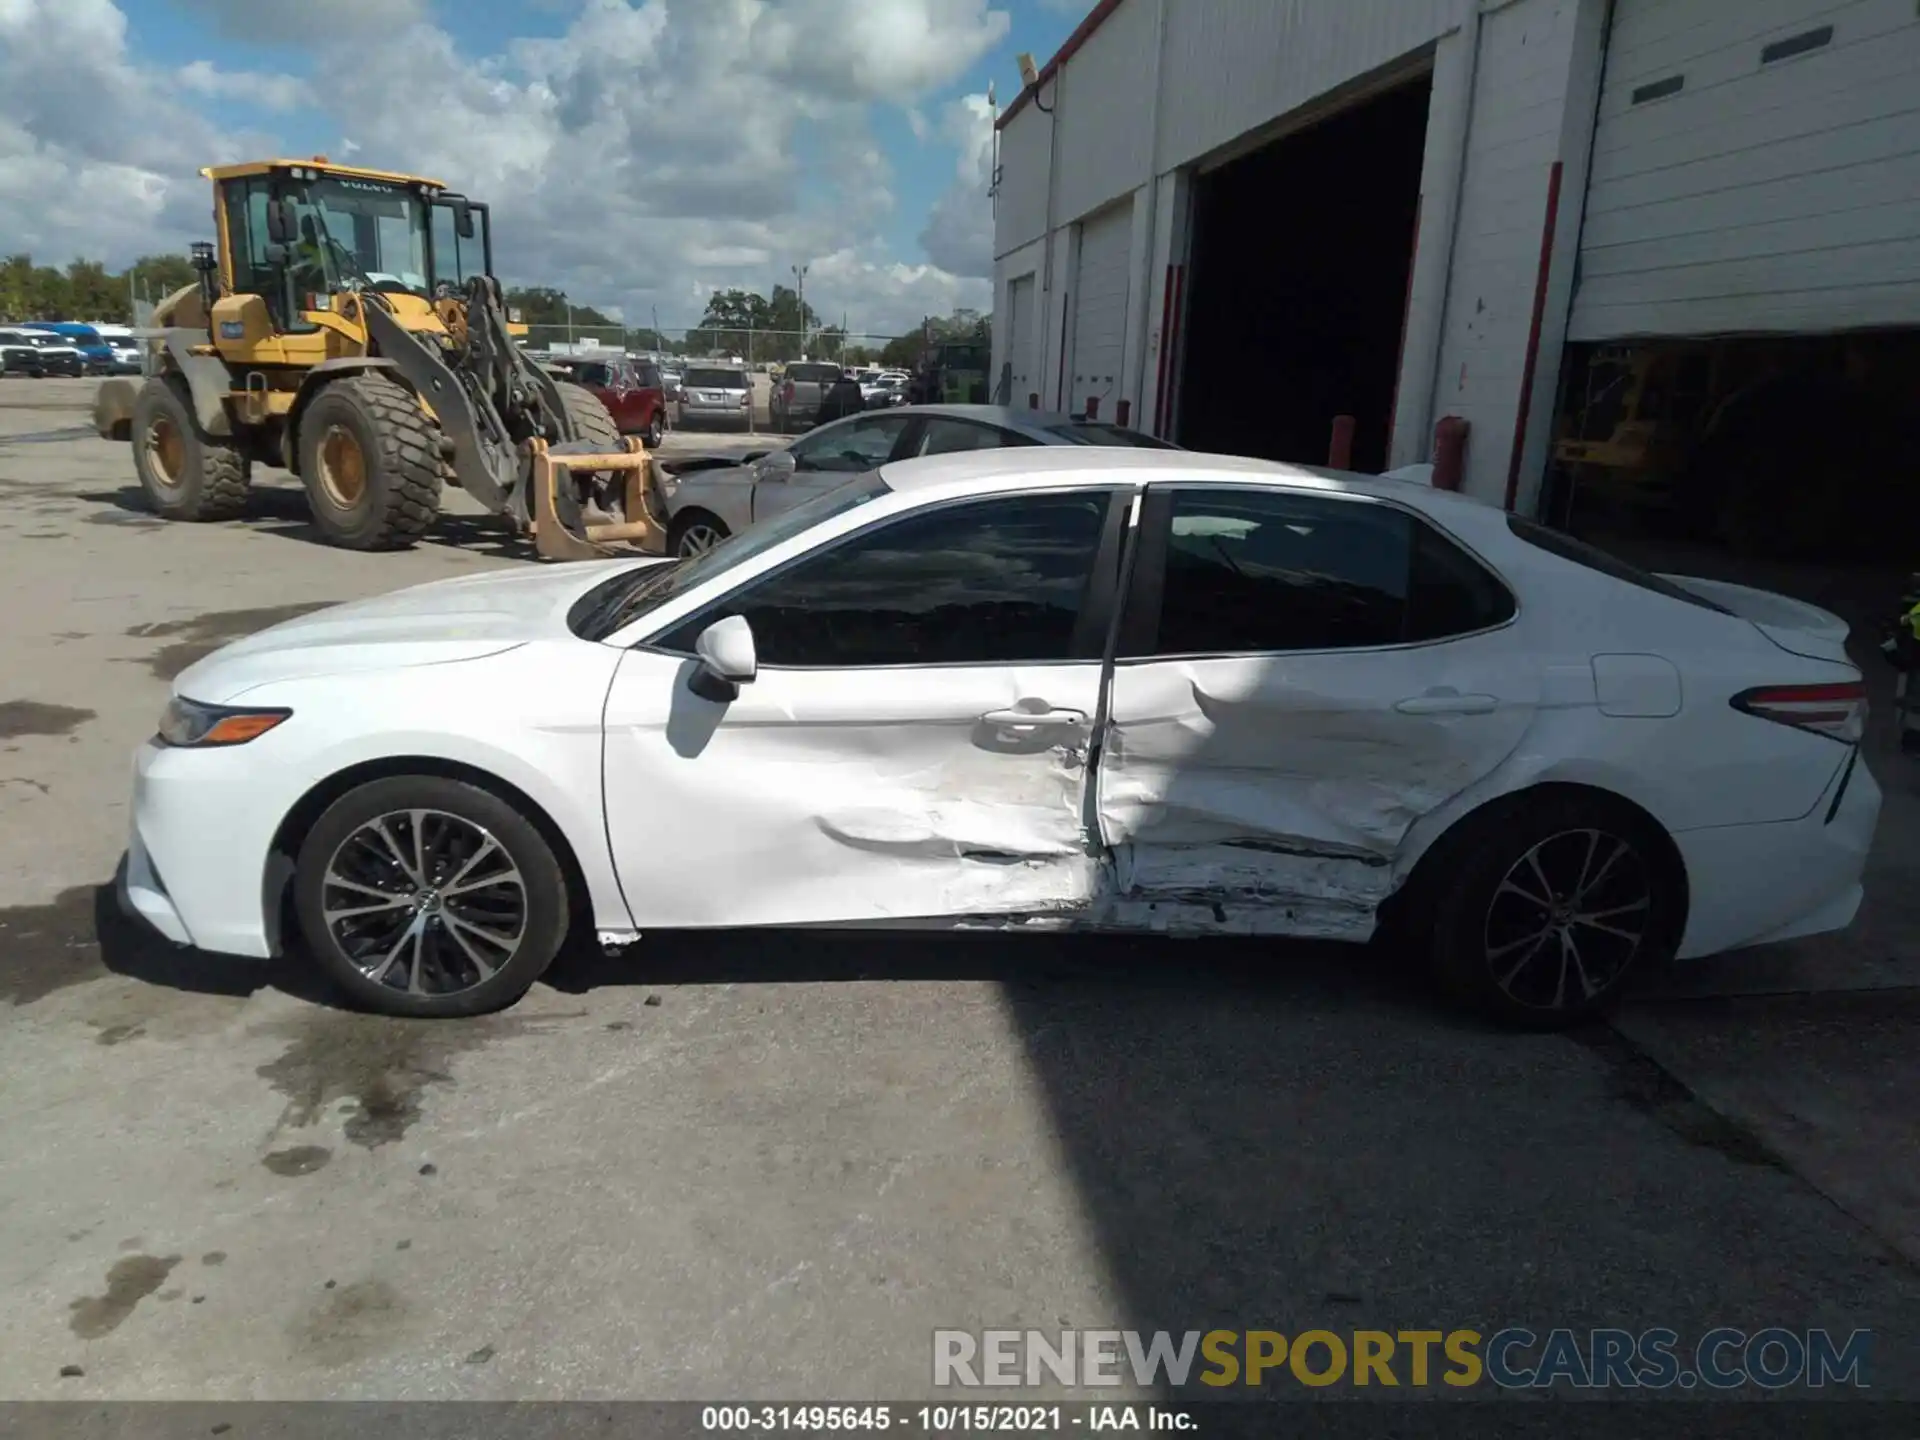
x: 186, y: 473
x: 429, y: 897
x: 1549, y: 905
x: 590, y: 417
x: 656, y: 430
x: 694, y: 532
x: 370, y: 460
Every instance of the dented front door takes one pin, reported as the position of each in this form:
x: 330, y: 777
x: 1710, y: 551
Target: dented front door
x: 1272, y: 738
x: 915, y: 743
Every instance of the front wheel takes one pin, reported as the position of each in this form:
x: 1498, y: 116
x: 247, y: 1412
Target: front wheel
x: 656, y: 430
x: 428, y: 897
x: 1551, y: 905
x: 694, y: 532
x: 370, y: 460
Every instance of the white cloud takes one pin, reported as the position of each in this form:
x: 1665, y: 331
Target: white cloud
x: 959, y: 232
x: 306, y: 22
x: 269, y: 92
x: 654, y: 151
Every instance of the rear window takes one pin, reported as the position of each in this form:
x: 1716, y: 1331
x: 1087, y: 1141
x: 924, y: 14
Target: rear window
x: 824, y: 374
x: 1093, y: 432
x: 1556, y: 542
x: 715, y: 379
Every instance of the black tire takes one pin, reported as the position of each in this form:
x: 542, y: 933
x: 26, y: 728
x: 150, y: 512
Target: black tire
x: 1536, y: 965
x: 656, y: 430
x: 689, y: 522
x: 396, y: 493
x: 589, y: 417
x: 450, y: 984
x: 186, y: 473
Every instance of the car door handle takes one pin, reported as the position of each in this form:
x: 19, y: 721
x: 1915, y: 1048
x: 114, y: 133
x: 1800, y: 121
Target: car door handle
x: 1033, y: 719
x: 1449, y: 705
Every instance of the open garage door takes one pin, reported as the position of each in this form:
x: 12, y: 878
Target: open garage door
x: 1019, y: 339
x: 1756, y: 168
x: 1746, y: 315
x: 1100, y: 311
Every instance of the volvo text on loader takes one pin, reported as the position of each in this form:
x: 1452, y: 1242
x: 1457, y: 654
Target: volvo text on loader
x: 347, y: 326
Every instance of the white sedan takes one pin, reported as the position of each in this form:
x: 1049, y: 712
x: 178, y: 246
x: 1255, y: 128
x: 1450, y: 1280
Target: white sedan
x: 1105, y: 689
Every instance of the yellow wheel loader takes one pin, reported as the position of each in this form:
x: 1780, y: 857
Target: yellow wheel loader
x: 347, y: 326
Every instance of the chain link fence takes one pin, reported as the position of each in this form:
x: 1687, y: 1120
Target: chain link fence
x: 756, y: 349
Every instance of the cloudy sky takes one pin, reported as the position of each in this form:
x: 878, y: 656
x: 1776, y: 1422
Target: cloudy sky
x: 638, y: 153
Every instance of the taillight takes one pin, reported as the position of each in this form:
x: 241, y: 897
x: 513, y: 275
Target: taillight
x: 1836, y: 711
x: 786, y: 391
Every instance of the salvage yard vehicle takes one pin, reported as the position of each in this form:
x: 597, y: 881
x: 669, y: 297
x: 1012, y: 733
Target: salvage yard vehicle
x: 1099, y: 689
x: 704, y: 506
x: 51, y: 354
x: 716, y: 395
x: 348, y: 326
x: 633, y: 391
x: 799, y: 392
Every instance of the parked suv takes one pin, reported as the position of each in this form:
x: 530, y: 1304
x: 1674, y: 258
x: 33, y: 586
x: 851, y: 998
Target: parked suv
x: 95, y: 353
x: 52, y: 354
x: 715, y: 394
x: 630, y: 389
x: 797, y: 399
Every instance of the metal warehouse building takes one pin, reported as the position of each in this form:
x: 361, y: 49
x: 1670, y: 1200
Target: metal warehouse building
x: 1661, y: 256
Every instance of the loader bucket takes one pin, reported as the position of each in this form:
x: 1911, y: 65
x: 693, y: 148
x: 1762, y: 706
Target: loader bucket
x: 561, y: 532
x: 113, y: 410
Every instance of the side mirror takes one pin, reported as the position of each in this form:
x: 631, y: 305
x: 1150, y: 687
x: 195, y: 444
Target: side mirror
x: 727, y: 659
x: 204, y: 261
x: 281, y: 229
x: 777, y: 465
x: 463, y: 221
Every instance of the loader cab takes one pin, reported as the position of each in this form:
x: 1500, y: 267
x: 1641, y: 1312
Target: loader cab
x: 297, y: 234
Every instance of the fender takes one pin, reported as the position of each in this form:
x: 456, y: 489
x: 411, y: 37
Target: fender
x: 207, y: 376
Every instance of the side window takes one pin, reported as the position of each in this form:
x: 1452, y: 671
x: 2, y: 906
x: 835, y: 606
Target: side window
x: 855, y: 447
x: 246, y: 205
x: 1248, y: 570
x: 989, y: 582
x: 1253, y: 571
x: 1452, y: 593
x: 947, y: 437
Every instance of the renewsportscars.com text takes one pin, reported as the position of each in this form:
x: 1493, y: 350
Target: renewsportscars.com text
x: 1514, y: 1358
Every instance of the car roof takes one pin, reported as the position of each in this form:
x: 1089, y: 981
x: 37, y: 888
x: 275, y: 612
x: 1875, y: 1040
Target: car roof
x: 1048, y: 465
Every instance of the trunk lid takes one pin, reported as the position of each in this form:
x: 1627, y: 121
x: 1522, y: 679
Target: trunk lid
x: 1794, y: 625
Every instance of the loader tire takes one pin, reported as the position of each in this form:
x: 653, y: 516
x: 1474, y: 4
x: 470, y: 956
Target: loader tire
x: 589, y: 417
x: 370, y: 459
x: 186, y: 473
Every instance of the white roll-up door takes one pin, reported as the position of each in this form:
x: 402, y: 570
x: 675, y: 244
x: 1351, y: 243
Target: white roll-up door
x: 1020, y: 335
x: 1756, y: 168
x: 1100, y: 311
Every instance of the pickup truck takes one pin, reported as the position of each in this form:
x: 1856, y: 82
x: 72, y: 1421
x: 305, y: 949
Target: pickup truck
x: 796, y: 400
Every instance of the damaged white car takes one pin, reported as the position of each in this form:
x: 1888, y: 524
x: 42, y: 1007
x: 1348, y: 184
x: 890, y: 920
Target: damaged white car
x: 1126, y: 690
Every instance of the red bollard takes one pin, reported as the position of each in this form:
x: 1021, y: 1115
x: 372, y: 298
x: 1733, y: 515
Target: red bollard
x: 1123, y: 414
x: 1450, y: 452
x: 1093, y: 407
x: 1340, y: 450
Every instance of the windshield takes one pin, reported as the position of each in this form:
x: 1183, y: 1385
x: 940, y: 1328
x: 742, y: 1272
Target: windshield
x: 364, y: 230
x: 1092, y: 432
x: 701, y: 379
x: 618, y: 602
x: 824, y: 374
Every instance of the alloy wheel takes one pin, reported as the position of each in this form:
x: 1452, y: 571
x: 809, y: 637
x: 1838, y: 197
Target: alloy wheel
x: 697, y: 539
x: 425, y: 902
x: 1567, y: 919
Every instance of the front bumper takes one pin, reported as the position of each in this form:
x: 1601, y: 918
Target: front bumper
x: 1756, y: 884
x: 202, y: 831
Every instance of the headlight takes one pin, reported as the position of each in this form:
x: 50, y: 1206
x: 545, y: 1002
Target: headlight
x: 188, y: 723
